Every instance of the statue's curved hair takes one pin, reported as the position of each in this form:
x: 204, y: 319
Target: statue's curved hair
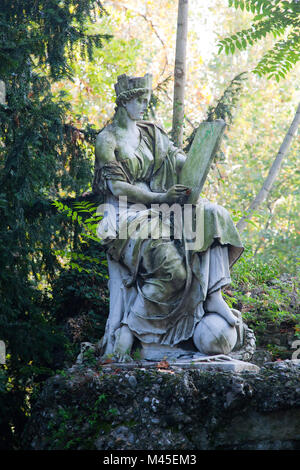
x: 128, y: 95
x: 129, y: 87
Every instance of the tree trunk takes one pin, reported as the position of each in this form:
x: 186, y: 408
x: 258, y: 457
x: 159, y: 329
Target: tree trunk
x: 180, y: 72
x: 273, y: 172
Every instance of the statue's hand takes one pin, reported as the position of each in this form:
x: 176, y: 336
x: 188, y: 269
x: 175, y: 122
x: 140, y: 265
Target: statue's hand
x: 177, y: 193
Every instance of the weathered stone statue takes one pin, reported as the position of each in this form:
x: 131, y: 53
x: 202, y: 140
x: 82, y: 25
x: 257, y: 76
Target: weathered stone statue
x: 165, y: 292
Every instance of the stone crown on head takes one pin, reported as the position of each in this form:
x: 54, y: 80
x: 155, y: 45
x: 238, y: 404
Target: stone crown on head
x: 129, y: 87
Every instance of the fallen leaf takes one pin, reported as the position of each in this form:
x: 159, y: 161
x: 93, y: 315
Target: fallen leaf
x: 106, y: 361
x: 163, y: 365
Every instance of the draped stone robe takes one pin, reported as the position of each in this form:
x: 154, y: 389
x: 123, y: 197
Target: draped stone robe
x: 161, y: 284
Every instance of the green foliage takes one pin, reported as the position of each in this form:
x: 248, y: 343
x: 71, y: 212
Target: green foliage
x: 90, y: 92
x: 88, y: 223
x: 261, y: 121
x: 44, y: 33
x: 80, y: 295
x: 224, y: 109
x: 226, y: 105
x: 53, y: 274
x: 41, y: 158
x: 93, y: 417
x: 268, y: 300
x: 252, y: 270
x: 277, y: 17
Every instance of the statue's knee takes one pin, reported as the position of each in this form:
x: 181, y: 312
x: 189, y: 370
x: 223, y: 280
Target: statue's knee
x: 214, y: 335
x: 173, y: 267
x: 216, y: 209
x: 179, y: 276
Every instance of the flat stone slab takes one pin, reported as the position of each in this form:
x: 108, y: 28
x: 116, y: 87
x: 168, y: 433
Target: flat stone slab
x: 233, y: 366
x: 213, y: 363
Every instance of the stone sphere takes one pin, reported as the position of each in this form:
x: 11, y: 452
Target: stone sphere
x: 214, y: 335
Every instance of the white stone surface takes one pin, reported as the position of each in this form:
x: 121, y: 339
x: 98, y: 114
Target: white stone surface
x: 205, y: 144
x: 207, y: 363
x: 214, y: 334
x: 160, y: 292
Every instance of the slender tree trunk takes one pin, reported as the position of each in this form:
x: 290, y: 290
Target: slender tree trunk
x: 273, y: 172
x: 180, y: 72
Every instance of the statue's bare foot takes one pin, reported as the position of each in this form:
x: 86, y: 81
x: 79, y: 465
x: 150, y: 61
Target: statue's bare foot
x: 123, y: 344
x: 123, y: 358
x: 216, y: 304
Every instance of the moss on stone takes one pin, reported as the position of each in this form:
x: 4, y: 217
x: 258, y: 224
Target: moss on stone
x: 186, y: 409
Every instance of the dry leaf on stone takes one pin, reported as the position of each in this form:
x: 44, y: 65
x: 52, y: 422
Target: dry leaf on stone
x: 105, y: 361
x: 163, y: 365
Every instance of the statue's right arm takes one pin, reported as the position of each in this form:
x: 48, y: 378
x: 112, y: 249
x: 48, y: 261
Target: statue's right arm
x: 106, y: 146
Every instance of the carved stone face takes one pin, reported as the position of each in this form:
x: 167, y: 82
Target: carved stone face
x: 136, y: 107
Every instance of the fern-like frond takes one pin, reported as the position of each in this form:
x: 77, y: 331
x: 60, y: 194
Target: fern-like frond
x: 276, y: 17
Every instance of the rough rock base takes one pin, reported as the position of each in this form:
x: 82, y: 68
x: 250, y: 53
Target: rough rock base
x: 98, y: 406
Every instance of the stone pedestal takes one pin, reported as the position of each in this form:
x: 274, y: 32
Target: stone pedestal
x: 209, y: 363
x: 105, y: 407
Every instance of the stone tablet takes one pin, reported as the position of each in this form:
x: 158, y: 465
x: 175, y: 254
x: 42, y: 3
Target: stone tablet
x: 200, y: 157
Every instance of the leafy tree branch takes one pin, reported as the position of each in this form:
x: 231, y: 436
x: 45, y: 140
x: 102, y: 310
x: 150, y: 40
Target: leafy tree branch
x: 281, y: 18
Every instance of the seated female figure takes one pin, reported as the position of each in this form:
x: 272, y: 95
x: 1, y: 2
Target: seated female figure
x: 160, y: 291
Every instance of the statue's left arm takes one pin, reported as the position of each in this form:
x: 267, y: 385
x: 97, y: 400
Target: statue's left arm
x: 180, y: 160
x: 180, y: 157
